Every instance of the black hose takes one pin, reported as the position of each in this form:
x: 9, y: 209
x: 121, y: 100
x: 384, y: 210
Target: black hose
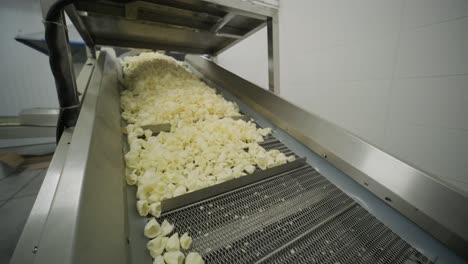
x: 68, y: 100
x: 68, y: 96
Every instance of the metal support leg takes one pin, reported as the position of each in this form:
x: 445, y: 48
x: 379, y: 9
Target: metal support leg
x: 273, y: 54
x: 82, y: 29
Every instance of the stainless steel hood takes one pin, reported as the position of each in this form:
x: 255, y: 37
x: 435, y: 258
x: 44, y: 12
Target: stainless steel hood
x: 203, y: 27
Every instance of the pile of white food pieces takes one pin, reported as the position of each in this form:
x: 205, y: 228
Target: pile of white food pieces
x: 166, y: 248
x: 204, y: 147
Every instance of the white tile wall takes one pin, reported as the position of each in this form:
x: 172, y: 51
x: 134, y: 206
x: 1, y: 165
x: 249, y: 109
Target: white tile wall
x: 438, y: 102
x: 364, y: 118
x: 26, y: 80
x: 419, y: 13
x: 395, y: 73
x: 440, y: 151
x: 434, y: 50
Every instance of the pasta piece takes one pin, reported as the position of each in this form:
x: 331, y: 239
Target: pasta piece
x: 173, y: 243
x: 166, y: 228
x: 152, y: 228
x: 174, y: 257
x: 249, y: 168
x: 185, y: 241
x: 156, y: 246
x: 143, y: 207
x: 179, y: 190
x: 154, y: 197
x: 132, y: 179
x: 155, y: 209
x: 194, y: 258
x: 159, y: 260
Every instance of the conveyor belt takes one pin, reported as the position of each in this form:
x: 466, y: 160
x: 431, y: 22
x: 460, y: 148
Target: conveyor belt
x: 293, y: 217
x: 273, y: 143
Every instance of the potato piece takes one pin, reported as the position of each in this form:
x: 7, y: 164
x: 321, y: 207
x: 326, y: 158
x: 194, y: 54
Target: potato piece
x: 143, y: 207
x: 159, y: 260
x: 156, y: 246
x: 132, y: 179
x: 174, y: 257
x: 152, y: 228
x: 249, y: 168
x: 173, y: 244
x: 185, y: 241
x: 179, y: 190
x: 194, y: 258
x: 155, y: 209
x: 166, y: 228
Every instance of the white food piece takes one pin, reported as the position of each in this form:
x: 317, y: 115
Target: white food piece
x: 179, y: 190
x: 174, y: 257
x: 249, y: 168
x: 202, y: 149
x: 194, y: 258
x: 166, y: 228
x: 160, y: 90
x: 185, y: 241
x: 156, y: 246
x: 173, y: 243
x: 140, y: 193
x: 132, y: 179
x: 264, y: 131
x: 155, y: 209
x: 159, y: 260
x: 152, y: 228
x: 143, y: 207
x: 154, y: 197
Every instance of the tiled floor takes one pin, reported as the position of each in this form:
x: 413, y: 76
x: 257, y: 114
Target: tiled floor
x: 18, y: 192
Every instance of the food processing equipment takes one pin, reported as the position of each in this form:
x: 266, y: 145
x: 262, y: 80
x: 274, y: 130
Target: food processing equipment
x: 342, y: 201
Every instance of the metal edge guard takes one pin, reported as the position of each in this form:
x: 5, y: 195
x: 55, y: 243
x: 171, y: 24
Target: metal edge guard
x: 205, y: 193
x: 438, y: 209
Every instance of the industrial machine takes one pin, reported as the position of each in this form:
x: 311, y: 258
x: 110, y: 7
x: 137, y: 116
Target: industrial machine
x: 342, y: 200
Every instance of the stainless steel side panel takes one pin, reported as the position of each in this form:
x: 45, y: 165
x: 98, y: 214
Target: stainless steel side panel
x: 28, y: 243
x: 87, y: 219
x: 438, y: 209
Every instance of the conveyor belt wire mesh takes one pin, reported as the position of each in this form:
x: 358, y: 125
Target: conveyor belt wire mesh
x: 293, y: 217
x: 273, y: 143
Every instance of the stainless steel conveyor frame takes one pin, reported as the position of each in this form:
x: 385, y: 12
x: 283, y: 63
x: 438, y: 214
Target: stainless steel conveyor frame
x: 80, y: 215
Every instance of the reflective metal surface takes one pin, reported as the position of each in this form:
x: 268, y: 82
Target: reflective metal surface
x: 39, y: 117
x: 84, y: 77
x: 438, y: 209
x: 294, y: 217
x: 273, y: 54
x: 83, y: 31
x: 86, y: 223
x: 11, y: 132
x: 205, y: 193
x: 206, y: 27
x: 28, y: 243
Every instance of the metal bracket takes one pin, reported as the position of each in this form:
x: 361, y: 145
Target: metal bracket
x: 273, y: 54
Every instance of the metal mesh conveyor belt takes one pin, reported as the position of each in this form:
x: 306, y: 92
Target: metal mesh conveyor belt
x: 273, y: 143
x: 293, y: 217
